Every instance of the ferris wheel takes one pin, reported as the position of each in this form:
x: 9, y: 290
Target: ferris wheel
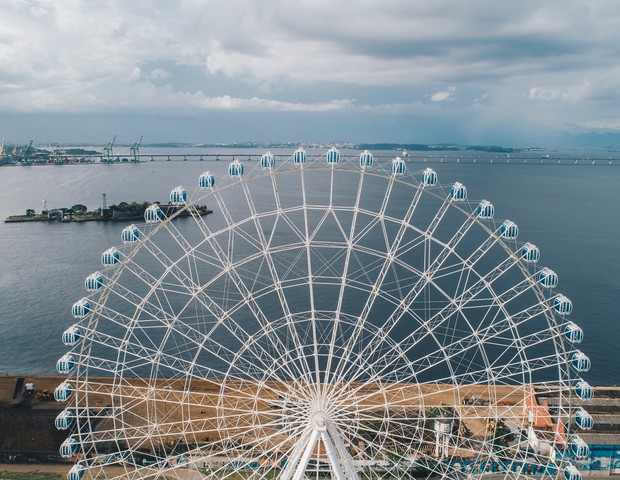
x: 334, y: 317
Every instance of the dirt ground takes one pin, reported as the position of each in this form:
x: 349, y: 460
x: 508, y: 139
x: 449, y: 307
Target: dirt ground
x: 50, y: 471
x: 5, y: 468
x: 59, y: 472
x: 196, y: 406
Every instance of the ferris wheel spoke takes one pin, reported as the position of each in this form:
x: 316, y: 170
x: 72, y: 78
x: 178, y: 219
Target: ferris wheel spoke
x: 459, y: 303
x: 426, y: 277
x: 145, y: 356
x: 455, y: 305
x: 132, y: 391
x: 276, y: 281
x: 229, y: 449
x: 376, y: 217
x: 198, y: 341
x: 314, y: 371
x: 158, y: 291
x: 168, y: 425
x: 508, y: 368
x: 246, y: 293
x: 192, y: 430
x: 127, y: 295
x: 475, y: 374
x: 437, y: 395
x: 468, y: 343
x: 275, y: 445
x: 391, y: 249
x: 226, y: 320
x: 188, y: 279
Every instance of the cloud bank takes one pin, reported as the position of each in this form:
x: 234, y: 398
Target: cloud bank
x: 514, y: 66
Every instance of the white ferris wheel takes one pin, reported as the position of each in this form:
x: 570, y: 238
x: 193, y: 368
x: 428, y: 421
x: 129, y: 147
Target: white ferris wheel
x: 335, y: 317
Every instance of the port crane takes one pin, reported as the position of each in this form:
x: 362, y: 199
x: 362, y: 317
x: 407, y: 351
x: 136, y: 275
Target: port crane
x: 26, y: 151
x: 59, y: 156
x: 108, y: 150
x: 135, y: 151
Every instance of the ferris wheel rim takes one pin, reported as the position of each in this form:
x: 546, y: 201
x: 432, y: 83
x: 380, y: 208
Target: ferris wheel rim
x: 151, y: 233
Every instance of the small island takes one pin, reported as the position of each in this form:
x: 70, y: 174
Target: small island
x: 122, y: 212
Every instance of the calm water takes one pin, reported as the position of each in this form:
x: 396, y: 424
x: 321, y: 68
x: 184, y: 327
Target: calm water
x: 571, y: 212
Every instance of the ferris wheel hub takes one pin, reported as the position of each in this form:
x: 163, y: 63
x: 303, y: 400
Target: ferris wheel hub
x: 319, y: 421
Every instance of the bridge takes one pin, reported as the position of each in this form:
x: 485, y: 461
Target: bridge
x: 416, y: 157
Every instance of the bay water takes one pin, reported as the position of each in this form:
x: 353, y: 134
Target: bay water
x: 570, y: 211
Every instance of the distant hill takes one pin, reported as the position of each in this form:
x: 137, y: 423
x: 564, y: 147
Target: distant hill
x: 608, y: 140
x: 420, y: 147
x: 414, y: 147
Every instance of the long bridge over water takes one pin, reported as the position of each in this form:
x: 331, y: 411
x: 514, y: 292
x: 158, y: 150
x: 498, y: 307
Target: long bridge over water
x: 415, y: 157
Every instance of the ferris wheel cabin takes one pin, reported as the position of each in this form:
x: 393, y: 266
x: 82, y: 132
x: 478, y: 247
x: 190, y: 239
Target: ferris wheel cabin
x: 206, y: 180
x: 153, y: 214
x: 235, y: 169
x: 573, y: 332
x: 485, y: 210
x: 130, y: 234
x: 429, y: 177
x: 583, y: 419
x: 93, y: 282
x: 578, y: 447
x: 458, y: 192
x: 65, y: 364
x: 300, y: 157
x: 110, y: 257
x: 571, y: 473
x: 584, y: 390
x: 548, y: 278
x: 509, y: 230
x: 581, y: 362
x: 399, y: 167
x: 366, y: 159
x: 333, y: 156
x: 64, y: 420
x: 267, y: 161
x: 530, y: 253
x: 76, y: 472
x: 71, y: 335
x: 81, y: 308
x: 562, y: 305
x: 63, y: 392
x: 68, y: 448
x: 178, y: 196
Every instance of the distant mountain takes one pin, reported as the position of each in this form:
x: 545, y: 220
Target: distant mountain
x: 421, y: 147
x: 414, y: 147
x: 608, y: 140
x: 169, y: 145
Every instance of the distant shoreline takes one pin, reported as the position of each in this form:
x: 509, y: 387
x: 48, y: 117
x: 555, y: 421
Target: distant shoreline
x: 450, y: 157
x: 59, y: 156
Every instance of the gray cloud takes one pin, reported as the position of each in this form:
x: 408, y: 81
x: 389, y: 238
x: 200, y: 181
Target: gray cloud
x: 532, y: 64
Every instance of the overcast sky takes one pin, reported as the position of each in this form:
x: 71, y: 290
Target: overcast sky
x: 493, y: 72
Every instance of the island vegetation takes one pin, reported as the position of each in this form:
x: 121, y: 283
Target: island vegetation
x: 124, y: 211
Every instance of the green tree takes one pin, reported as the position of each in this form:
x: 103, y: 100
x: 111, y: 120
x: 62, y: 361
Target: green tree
x: 79, y: 208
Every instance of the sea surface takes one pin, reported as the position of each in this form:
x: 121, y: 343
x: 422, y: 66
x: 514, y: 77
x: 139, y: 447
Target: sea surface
x: 570, y: 211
